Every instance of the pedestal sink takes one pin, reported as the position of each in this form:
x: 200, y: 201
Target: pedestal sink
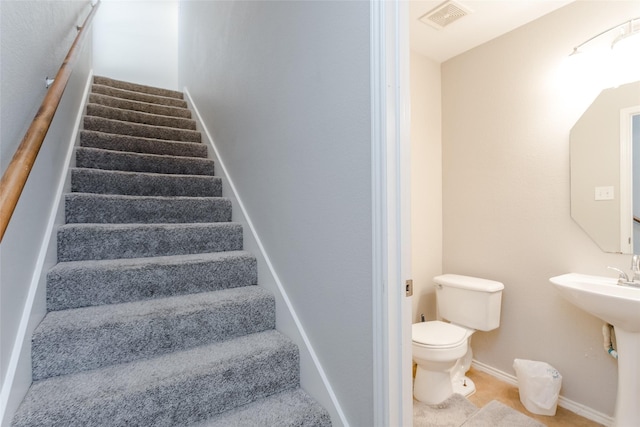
x: 620, y: 306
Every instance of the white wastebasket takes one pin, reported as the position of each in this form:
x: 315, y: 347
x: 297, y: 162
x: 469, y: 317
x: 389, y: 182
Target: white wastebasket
x: 539, y: 384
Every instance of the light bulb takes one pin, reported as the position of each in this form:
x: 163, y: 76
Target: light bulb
x: 626, y: 58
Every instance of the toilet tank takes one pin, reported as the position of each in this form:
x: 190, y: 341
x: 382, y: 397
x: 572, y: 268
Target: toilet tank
x: 469, y: 301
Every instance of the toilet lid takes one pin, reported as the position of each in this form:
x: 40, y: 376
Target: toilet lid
x: 438, y: 334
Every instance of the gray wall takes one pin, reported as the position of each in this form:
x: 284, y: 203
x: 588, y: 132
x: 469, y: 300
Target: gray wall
x: 507, y: 114
x: 284, y: 87
x: 35, y: 37
x: 137, y: 41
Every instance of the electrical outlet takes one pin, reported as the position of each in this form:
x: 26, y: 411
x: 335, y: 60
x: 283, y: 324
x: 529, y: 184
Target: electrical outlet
x: 604, y: 193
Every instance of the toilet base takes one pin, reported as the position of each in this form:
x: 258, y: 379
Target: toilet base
x: 464, y: 386
x: 432, y: 386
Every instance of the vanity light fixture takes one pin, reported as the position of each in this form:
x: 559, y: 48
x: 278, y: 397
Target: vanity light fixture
x: 621, y: 34
x: 608, y: 59
x: 628, y: 34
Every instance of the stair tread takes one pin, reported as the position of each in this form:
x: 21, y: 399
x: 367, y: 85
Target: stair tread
x: 73, y: 340
x: 74, y: 284
x: 286, y: 409
x: 144, y: 262
x: 138, y: 129
x: 78, y: 195
x: 157, y: 226
x: 129, y: 104
x: 118, y: 208
x: 106, y: 181
x: 137, y: 87
x: 98, y: 158
x: 140, y: 117
x: 91, y: 317
x: 139, y: 144
x: 146, y: 155
x: 110, y: 241
x: 185, y: 386
x: 138, y: 96
x: 147, y: 174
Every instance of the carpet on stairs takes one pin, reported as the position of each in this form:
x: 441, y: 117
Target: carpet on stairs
x: 155, y: 316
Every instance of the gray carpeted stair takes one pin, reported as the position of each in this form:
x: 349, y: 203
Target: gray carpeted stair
x: 172, y: 389
x: 142, y: 162
x: 78, y: 242
x: 101, y: 124
x: 99, y: 181
x: 76, y: 284
x: 290, y: 408
x: 137, y: 96
x: 104, y: 111
x: 143, y: 89
x: 142, y: 329
x: 154, y: 317
x: 117, y: 209
x: 146, y: 107
x: 133, y: 144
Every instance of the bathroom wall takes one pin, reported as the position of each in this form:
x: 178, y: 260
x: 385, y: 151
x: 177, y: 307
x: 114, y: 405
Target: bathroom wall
x: 426, y: 183
x: 507, y: 113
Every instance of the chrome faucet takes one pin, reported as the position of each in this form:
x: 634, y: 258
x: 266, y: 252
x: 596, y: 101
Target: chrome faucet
x: 635, y: 267
x: 623, y: 278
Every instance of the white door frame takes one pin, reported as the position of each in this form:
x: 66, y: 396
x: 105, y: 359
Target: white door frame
x: 393, y: 397
x: 626, y: 178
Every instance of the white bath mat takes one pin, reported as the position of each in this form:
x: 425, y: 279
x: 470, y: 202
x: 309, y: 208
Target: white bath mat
x: 457, y: 411
x: 453, y: 412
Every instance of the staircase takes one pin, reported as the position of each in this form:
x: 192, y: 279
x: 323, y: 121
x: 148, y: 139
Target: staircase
x: 154, y: 317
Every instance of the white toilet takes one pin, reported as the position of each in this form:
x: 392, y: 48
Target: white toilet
x: 442, y: 348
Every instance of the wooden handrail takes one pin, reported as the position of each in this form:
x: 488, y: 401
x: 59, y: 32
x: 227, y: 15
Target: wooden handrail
x: 15, y: 177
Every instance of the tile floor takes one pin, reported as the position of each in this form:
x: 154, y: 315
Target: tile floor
x: 490, y: 388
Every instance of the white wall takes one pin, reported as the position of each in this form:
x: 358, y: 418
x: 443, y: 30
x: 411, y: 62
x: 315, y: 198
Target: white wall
x: 137, y: 41
x: 506, y: 123
x: 35, y: 37
x: 426, y: 183
x: 284, y: 88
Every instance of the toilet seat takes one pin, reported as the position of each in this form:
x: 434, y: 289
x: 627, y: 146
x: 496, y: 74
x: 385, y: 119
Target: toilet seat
x: 438, y: 335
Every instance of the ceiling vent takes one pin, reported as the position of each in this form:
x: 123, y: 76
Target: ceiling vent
x: 444, y: 14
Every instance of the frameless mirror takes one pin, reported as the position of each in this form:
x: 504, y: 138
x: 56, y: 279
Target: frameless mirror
x: 605, y: 174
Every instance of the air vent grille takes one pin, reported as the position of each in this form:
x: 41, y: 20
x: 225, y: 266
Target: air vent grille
x: 444, y: 14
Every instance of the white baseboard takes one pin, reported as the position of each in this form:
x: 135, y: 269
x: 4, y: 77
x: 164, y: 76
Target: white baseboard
x: 317, y: 379
x: 563, y: 402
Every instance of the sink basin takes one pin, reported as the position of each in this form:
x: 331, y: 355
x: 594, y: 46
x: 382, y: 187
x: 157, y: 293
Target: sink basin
x: 619, y: 306
x: 602, y: 297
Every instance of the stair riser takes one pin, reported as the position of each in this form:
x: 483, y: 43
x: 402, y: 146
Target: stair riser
x: 137, y: 96
x: 71, y: 341
x: 137, y: 87
x: 145, y: 107
x: 124, y: 143
x: 113, y: 282
x: 291, y: 408
x: 110, y: 209
x: 133, y: 162
x: 85, y: 242
x: 146, y: 131
x: 141, y: 184
x: 111, y: 113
